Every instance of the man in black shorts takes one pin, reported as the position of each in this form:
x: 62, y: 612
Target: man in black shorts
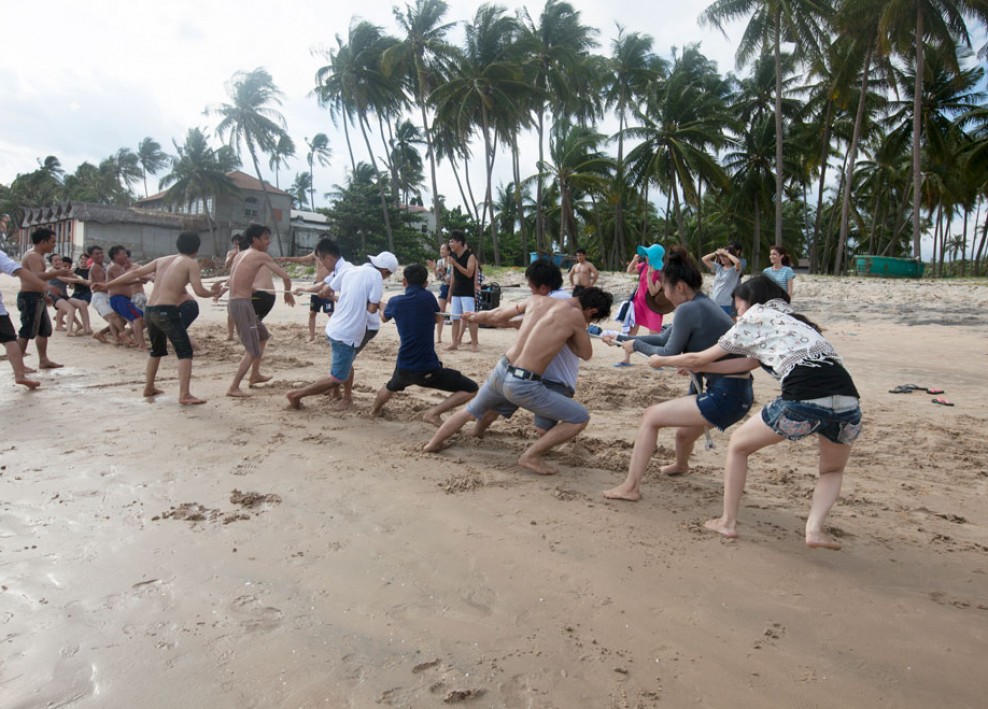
x: 416, y: 313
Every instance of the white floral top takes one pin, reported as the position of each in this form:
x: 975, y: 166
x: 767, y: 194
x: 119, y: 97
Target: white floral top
x: 779, y: 341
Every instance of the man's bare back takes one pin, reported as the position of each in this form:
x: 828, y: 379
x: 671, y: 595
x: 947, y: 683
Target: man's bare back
x: 172, y: 275
x: 549, y: 325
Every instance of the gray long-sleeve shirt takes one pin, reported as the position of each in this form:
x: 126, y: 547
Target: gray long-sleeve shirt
x: 698, y: 325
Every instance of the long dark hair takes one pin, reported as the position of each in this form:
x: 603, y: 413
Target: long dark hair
x: 679, y: 267
x: 784, y: 255
x: 761, y: 289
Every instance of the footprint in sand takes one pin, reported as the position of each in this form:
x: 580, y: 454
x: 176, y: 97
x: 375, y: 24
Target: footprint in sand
x: 255, y: 616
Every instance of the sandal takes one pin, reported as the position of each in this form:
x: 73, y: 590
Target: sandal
x: 902, y: 389
x: 934, y: 390
x: 942, y: 401
x: 623, y: 364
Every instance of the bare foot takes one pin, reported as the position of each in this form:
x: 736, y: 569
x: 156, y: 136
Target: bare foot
x: 343, y: 404
x: 153, y: 391
x: 258, y: 379
x: 229, y: 338
x: 191, y: 400
x: 48, y: 364
x: 70, y: 333
x: 294, y: 400
x: 623, y: 492
x: 452, y: 347
x: 431, y: 447
x: 87, y: 332
x: 237, y: 393
x: 536, y: 465
x: 29, y: 370
x: 473, y: 347
x: 718, y: 525
x: 100, y: 337
x: 60, y: 328
x: 29, y: 383
x: 434, y: 419
x: 673, y: 470
x: 819, y: 540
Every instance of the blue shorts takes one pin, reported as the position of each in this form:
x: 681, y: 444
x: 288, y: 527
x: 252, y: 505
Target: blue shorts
x: 794, y: 420
x: 343, y: 356
x: 125, y: 308
x: 729, y: 309
x: 725, y: 401
x: 444, y: 291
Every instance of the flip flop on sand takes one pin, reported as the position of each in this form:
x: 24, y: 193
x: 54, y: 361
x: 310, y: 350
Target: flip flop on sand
x: 902, y: 389
x: 942, y: 401
x: 624, y: 364
x: 934, y: 390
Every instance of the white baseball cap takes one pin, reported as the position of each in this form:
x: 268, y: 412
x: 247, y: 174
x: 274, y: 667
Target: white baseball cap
x: 386, y: 260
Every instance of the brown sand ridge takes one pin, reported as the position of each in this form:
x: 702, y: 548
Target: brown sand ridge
x: 361, y: 571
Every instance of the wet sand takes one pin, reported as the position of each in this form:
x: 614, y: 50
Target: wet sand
x: 237, y: 554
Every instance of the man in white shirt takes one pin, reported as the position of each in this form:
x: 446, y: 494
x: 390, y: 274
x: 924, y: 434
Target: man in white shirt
x: 355, y: 321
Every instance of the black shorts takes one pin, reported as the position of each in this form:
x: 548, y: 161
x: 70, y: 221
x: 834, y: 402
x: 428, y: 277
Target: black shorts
x: 262, y: 302
x: 7, y: 331
x: 189, y: 310
x: 442, y: 379
x: 164, y: 323
x: 34, y: 316
x: 321, y: 305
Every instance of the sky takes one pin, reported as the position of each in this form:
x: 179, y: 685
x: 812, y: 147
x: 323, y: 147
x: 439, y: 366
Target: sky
x: 79, y: 80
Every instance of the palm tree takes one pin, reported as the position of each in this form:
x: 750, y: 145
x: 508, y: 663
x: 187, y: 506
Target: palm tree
x: 482, y: 89
x: 249, y: 120
x: 633, y: 69
x: 354, y: 85
x: 301, y: 189
x: 554, y: 50
x: 199, y: 174
x: 422, y: 57
x: 319, y: 151
x: 771, y: 23
x: 152, y: 159
x: 284, y: 149
x: 406, y: 161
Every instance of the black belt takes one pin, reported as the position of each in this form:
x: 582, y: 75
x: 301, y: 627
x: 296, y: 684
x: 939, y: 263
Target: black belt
x: 519, y: 373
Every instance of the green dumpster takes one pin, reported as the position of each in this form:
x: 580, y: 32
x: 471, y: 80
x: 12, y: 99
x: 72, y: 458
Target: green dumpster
x: 888, y: 267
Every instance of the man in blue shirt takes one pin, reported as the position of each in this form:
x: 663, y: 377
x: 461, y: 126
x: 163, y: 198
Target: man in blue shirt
x: 416, y: 314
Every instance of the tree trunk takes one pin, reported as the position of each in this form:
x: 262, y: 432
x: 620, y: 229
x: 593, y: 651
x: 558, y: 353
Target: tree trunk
x: 516, y: 173
x: 540, y: 244
x: 756, y: 241
x: 427, y: 131
x: 377, y: 178
x: 917, y: 125
x: 619, y: 179
x: 349, y: 146
x: 680, y: 224
x: 980, y: 253
x: 845, y: 208
x: 779, y: 138
x: 267, y: 197
x: 489, y: 164
x: 824, y: 163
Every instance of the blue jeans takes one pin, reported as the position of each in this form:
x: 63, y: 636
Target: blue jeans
x: 794, y: 420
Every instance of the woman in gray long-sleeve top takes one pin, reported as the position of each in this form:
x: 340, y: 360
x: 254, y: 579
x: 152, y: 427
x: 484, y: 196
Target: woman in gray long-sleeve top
x: 698, y: 325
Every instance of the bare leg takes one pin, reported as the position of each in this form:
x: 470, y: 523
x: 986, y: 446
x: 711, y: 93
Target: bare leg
x: 456, y: 336
x: 184, y: 382
x: 753, y: 435
x: 320, y: 386
x: 43, y: 361
x: 675, y: 412
x: 686, y: 436
x: 150, y: 389
x: 833, y: 460
x: 450, y: 402
x: 138, y: 326
x: 312, y: 326
x: 347, y: 399
x: 255, y: 370
x: 484, y: 422
x: 383, y: 396
x: 450, y: 426
x: 474, y: 328
x: 230, y: 328
x: 64, y: 310
x: 245, y: 364
x: 16, y: 359
x: 531, y: 459
x: 82, y: 307
x: 442, y: 321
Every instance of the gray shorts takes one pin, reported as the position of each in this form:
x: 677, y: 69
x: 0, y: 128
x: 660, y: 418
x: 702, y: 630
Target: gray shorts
x: 101, y: 302
x: 251, y: 330
x: 505, y: 393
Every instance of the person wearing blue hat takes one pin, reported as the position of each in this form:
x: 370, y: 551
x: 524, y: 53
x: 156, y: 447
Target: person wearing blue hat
x: 647, y: 263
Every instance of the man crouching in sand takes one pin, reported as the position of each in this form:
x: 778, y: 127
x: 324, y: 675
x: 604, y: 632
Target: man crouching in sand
x: 162, y: 316
x: 549, y: 325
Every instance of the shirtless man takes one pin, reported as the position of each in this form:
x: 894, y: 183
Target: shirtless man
x: 35, y: 323
x: 120, y: 296
x: 583, y: 272
x: 549, y: 325
x: 243, y: 277
x: 115, y: 325
x: 237, y: 245
x: 317, y: 304
x: 163, y: 316
x: 8, y: 337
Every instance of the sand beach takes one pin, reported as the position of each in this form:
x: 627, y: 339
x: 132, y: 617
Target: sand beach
x: 238, y: 554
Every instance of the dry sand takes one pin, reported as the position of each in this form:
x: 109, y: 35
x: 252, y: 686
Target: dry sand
x: 237, y: 554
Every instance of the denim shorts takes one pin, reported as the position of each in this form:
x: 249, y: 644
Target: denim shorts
x: 725, y: 401
x: 794, y: 420
x: 343, y: 356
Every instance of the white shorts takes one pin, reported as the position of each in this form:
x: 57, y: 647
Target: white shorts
x: 101, y: 302
x: 140, y: 300
x: 460, y: 304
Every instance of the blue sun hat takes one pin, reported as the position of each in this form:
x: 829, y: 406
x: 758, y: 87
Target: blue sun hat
x: 654, y: 254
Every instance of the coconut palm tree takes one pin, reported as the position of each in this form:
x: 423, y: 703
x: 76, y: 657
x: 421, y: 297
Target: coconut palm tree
x: 319, y: 151
x: 250, y: 121
x: 151, y: 158
x: 422, y: 57
x: 284, y: 149
x: 633, y: 68
x: 771, y: 23
x: 301, y: 189
x: 406, y: 160
x: 909, y: 27
x: 199, y: 175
